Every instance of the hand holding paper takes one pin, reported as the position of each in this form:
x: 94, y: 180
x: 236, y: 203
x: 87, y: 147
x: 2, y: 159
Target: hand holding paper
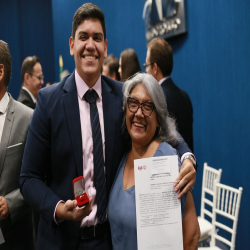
x: 158, y: 210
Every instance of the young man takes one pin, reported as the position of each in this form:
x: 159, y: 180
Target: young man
x: 61, y: 145
x: 15, y: 214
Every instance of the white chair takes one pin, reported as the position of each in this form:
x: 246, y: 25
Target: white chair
x: 210, y: 175
x: 226, y: 205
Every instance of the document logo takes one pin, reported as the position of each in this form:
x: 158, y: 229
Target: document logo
x: 142, y: 167
x: 164, y: 18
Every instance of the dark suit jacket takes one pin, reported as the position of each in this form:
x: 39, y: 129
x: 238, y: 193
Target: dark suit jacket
x: 17, y: 227
x: 26, y: 99
x: 54, y: 150
x: 180, y: 107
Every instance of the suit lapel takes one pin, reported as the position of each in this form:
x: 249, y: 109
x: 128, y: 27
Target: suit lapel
x: 6, y: 132
x: 71, y: 107
x: 108, y: 100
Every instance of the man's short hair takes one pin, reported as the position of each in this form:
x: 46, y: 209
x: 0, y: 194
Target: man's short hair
x: 113, y: 65
x: 88, y: 10
x: 161, y: 53
x: 5, y: 59
x: 28, y: 65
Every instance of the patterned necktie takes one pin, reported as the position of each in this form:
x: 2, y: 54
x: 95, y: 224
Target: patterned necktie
x: 99, y: 177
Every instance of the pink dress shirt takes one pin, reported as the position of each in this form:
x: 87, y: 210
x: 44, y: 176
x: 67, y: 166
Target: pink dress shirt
x: 87, y: 143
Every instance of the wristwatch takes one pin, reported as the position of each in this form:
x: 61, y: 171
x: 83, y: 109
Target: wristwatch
x: 191, y: 158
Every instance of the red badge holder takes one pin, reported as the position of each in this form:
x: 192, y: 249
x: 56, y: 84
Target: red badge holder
x: 79, y: 191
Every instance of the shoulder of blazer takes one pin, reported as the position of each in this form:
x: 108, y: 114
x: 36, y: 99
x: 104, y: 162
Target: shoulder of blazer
x: 22, y: 94
x: 51, y: 94
x: 168, y: 83
x: 115, y: 86
x: 66, y: 84
x: 18, y: 109
x: 26, y: 99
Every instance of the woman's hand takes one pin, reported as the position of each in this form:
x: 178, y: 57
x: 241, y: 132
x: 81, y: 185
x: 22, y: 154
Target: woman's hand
x: 186, y: 178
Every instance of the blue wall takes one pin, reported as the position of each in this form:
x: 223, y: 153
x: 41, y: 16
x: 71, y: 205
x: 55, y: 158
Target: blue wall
x: 211, y: 62
x: 124, y: 25
x: 26, y: 27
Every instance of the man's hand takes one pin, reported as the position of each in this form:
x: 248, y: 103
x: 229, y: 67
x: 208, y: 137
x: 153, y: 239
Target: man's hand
x: 186, y: 178
x: 70, y: 211
x: 4, y: 210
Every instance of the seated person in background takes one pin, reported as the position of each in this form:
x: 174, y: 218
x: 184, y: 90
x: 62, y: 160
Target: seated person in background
x: 150, y: 132
x: 32, y: 78
x: 110, y: 67
x: 128, y: 64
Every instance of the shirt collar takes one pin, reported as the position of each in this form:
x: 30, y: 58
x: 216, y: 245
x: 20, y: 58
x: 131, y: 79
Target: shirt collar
x: 163, y: 79
x: 82, y: 87
x: 4, y: 103
x: 32, y: 97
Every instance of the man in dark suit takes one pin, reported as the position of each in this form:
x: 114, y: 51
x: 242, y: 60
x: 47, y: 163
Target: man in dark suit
x: 32, y: 78
x: 159, y: 63
x: 61, y: 144
x: 15, y: 214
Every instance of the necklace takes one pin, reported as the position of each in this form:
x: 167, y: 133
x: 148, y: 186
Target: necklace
x: 132, y: 165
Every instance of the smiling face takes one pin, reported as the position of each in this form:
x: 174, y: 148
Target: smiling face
x: 89, y: 49
x: 140, y: 128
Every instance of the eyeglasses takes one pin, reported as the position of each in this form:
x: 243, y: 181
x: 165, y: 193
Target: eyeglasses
x: 41, y: 77
x: 146, y: 107
x: 145, y: 65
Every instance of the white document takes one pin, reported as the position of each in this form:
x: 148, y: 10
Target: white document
x: 1, y: 237
x: 158, y: 210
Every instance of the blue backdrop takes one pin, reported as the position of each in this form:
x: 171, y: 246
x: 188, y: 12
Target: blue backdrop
x: 211, y: 63
x: 27, y: 27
